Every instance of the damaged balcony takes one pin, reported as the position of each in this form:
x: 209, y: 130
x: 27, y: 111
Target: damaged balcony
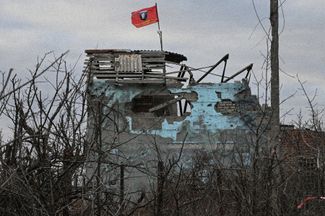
x: 126, y: 66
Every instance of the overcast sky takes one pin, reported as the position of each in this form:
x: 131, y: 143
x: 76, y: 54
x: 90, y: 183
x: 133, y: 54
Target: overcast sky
x: 202, y: 30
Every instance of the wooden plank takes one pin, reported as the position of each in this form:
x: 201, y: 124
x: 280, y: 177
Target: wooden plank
x: 142, y: 81
x: 106, y: 67
x: 152, y: 66
x: 103, y: 71
x: 111, y: 76
x: 102, y: 59
x: 151, y: 53
x: 125, y: 73
x: 160, y: 106
x: 113, y: 73
x: 99, y: 51
x: 153, y: 60
x: 157, y: 65
x: 103, y: 62
x: 119, y: 76
x: 106, y: 55
x: 135, y: 81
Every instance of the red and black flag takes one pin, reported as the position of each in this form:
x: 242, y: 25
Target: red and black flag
x: 145, y: 16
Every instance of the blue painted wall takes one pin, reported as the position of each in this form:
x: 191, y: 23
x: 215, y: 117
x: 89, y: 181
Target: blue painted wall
x: 203, y: 118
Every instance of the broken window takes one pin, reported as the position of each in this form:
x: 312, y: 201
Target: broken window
x: 164, y: 104
x: 160, y: 105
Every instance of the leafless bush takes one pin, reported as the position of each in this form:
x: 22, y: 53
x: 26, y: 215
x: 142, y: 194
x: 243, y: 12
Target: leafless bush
x: 43, y: 160
x: 45, y: 151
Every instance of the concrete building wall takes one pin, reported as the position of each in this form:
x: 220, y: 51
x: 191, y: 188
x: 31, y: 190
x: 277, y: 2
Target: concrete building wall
x: 143, y: 123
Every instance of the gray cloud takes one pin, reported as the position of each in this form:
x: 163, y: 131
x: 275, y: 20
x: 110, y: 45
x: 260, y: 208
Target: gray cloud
x: 203, y: 30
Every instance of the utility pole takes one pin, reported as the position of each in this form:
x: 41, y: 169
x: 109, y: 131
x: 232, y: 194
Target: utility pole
x: 275, y: 94
x: 275, y: 103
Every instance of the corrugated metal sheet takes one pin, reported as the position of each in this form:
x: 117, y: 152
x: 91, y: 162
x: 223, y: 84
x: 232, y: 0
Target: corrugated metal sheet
x: 128, y: 63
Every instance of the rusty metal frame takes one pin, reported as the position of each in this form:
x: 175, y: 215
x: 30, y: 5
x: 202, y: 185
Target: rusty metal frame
x: 223, y: 59
x: 247, y: 68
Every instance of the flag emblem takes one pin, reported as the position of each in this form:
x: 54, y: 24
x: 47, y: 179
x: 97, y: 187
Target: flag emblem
x: 144, y: 17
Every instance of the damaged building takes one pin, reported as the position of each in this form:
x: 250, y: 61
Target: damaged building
x: 146, y: 107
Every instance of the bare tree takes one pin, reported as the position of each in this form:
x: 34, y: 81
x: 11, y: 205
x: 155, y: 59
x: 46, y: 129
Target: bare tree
x: 44, y: 154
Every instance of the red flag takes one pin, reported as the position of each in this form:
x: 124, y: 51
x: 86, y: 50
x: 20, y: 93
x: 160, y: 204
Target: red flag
x: 145, y: 16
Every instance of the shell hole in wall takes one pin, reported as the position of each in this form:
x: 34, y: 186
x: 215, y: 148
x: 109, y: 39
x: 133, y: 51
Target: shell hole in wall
x: 145, y: 104
x: 226, y: 107
x: 166, y: 104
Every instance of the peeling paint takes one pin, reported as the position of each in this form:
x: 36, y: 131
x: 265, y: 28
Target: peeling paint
x: 203, y: 116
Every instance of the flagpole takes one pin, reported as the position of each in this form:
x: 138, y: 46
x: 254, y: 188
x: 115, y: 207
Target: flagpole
x: 159, y: 31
